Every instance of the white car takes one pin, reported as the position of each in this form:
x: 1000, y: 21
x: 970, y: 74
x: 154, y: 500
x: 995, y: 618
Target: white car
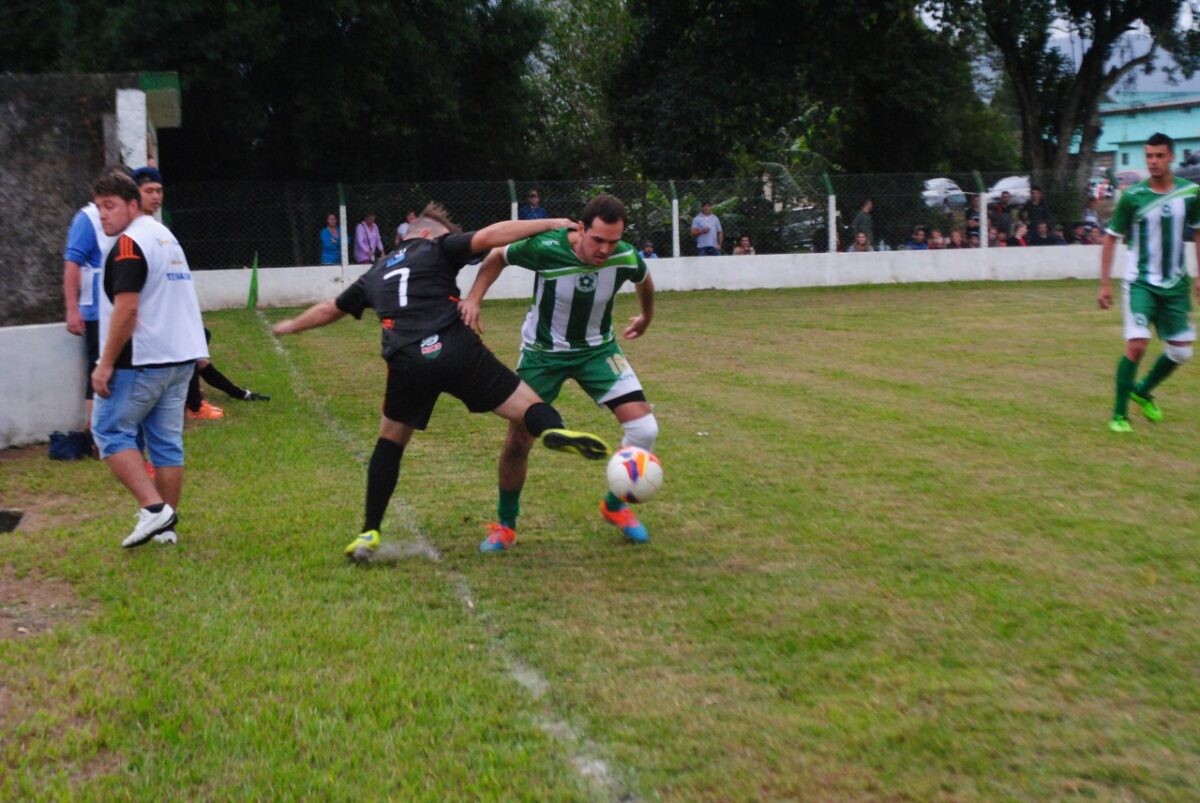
x: 1016, y: 186
x: 944, y: 194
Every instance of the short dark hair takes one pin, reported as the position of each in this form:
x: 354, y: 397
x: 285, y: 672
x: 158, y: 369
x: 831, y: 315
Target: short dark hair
x: 115, y: 181
x: 1035, y: 187
x: 608, y: 208
x: 1159, y: 138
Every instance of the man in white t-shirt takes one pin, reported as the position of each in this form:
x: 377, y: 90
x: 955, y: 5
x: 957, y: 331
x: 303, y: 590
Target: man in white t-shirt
x: 150, y: 339
x: 706, y: 228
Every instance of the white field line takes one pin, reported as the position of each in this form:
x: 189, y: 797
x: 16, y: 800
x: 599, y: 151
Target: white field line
x: 582, y: 752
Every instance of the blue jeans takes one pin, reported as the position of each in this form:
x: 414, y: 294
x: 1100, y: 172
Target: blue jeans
x: 149, y: 398
x: 709, y: 251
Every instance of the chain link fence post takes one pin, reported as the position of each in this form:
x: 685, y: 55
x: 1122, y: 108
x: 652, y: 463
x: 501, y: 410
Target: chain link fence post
x: 674, y: 220
x: 832, y: 213
x: 345, y: 245
x: 512, y: 199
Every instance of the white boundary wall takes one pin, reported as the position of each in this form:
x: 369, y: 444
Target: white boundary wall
x: 41, y: 367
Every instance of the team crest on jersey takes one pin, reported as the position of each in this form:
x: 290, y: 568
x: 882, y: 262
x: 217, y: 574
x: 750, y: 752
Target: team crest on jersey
x: 431, y: 347
x: 586, y: 282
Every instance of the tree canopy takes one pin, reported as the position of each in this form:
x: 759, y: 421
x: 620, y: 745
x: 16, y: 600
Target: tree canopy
x: 1058, y: 101
x: 344, y: 89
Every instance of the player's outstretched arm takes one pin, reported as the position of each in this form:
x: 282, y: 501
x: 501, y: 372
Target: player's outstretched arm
x: 320, y: 314
x: 469, y: 309
x: 638, y: 324
x: 509, y: 231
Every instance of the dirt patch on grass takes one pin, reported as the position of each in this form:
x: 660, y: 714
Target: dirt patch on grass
x: 32, y: 604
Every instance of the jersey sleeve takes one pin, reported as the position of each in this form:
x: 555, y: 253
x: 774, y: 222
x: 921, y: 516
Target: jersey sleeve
x: 1122, y: 216
x: 353, y: 300
x: 1193, y: 209
x: 641, y: 271
x: 457, y: 248
x: 126, y: 266
x: 523, y: 253
x: 81, y: 240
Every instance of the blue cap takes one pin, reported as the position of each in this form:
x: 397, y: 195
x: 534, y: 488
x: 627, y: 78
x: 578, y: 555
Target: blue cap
x: 146, y: 174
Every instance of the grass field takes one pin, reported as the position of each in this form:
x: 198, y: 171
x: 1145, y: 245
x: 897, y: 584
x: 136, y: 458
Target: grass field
x: 897, y: 557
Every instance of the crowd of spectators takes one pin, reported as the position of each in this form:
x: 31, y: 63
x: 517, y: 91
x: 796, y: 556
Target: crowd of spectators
x: 1009, y: 224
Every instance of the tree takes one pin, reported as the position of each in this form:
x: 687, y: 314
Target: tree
x: 572, y: 135
x: 707, y: 83
x: 1058, y: 101
x: 346, y: 89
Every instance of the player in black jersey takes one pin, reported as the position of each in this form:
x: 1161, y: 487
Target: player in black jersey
x: 430, y: 351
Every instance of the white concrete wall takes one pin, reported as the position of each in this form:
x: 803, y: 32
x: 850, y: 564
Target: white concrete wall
x: 41, y: 367
x: 41, y: 382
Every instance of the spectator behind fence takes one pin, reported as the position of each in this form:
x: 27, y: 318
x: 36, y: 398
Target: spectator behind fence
x: 1035, y: 211
x: 402, y: 229
x: 331, y: 241
x: 1058, y: 237
x: 533, y: 209
x: 743, y: 248
x: 993, y: 235
x: 973, y: 240
x: 861, y: 244
x: 936, y: 241
x: 706, y: 228
x: 1001, y: 239
x: 1020, y: 235
x: 368, y: 247
x: 956, y: 239
x: 1079, y: 234
x: 1091, y: 217
x: 999, y: 213
x: 1041, y: 234
x: 863, y: 221
x: 648, y: 250
x: 917, y: 241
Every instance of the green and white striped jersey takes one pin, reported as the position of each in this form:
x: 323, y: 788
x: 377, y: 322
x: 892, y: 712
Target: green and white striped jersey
x: 572, y: 300
x: 1153, y: 225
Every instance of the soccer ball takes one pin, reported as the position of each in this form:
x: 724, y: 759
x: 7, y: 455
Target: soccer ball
x: 634, y: 475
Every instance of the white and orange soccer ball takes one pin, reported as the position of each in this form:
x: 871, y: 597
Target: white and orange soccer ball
x: 634, y: 474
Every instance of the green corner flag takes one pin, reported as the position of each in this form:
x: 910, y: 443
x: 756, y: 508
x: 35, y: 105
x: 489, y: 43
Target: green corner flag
x: 252, y: 299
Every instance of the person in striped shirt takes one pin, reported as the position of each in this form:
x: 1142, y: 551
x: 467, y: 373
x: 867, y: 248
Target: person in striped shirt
x: 568, y: 334
x: 1152, y: 217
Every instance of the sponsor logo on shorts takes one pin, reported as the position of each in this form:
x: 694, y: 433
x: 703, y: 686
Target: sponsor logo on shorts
x: 1140, y: 320
x: 431, y: 347
x: 179, y: 277
x: 586, y: 282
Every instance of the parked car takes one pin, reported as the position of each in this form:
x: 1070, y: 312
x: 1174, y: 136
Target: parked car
x: 1127, y: 178
x: 1017, y: 188
x: 804, y: 229
x: 944, y: 194
x: 1190, y: 172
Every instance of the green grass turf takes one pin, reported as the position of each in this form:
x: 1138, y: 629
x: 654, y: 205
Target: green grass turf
x: 897, y: 556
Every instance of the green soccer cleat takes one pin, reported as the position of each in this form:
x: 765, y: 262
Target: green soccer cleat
x: 1120, y: 424
x: 363, y: 546
x: 1152, y: 411
x: 584, y: 444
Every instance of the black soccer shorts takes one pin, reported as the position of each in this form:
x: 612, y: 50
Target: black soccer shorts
x: 453, y: 361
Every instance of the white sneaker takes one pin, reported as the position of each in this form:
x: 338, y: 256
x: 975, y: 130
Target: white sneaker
x: 149, y: 525
x: 166, y: 537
